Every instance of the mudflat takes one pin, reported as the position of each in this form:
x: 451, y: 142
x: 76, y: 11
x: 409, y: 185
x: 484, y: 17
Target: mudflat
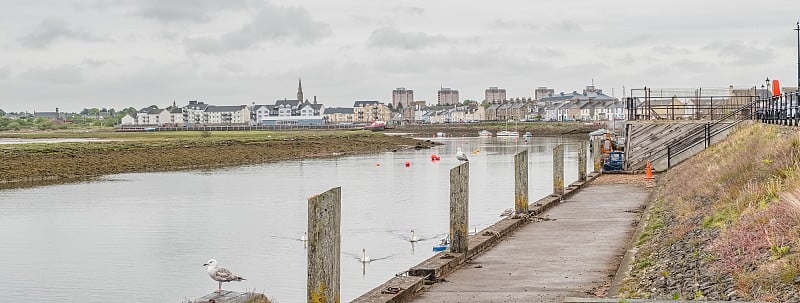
x: 36, y: 163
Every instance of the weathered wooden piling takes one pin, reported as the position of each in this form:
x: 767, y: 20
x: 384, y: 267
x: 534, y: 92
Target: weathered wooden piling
x: 596, y: 156
x: 582, y: 161
x: 459, y: 208
x: 558, y: 170
x: 324, y: 221
x: 521, y: 182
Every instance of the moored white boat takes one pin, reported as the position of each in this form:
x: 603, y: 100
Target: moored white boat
x: 505, y: 133
x: 484, y: 133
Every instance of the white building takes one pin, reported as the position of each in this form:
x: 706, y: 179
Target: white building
x: 227, y: 115
x: 264, y: 111
x: 152, y: 116
x: 129, y: 119
x: 194, y: 113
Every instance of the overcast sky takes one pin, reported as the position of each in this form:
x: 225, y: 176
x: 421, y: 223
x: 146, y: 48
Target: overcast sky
x: 76, y: 54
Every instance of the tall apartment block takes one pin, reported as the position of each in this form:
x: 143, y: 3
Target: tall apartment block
x: 448, y: 96
x: 402, y: 96
x: 542, y: 92
x: 495, y: 95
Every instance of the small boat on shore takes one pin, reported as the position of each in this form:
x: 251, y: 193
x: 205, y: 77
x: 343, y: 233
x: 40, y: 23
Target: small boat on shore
x: 376, y: 126
x: 484, y: 133
x: 527, y: 135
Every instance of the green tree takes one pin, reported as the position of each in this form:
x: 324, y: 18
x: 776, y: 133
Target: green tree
x: 485, y: 104
x: 2, y: 113
x: 14, y: 125
x: 94, y: 111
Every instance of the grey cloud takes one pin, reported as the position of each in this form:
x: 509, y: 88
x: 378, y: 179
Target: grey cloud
x: 547, y: 52
x: 5, y: 73
x: 565, y: 26
x: 741, y: 53
x: 271, y: 23
x: 65, y: 74
x: 93, y: 62
x: 671, y: 50
x: 387, y: 37
x: 197, y: 11
x: 459, y: 60
x: 513, y: 24
x: 411, y: 10
x: 52, y: 29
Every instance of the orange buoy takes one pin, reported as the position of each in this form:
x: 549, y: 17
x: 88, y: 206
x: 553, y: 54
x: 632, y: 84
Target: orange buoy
x: 378, y: 164
x: 408, y: 164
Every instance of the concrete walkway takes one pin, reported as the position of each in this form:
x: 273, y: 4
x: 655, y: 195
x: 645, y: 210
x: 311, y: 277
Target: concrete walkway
x: 573, y: 255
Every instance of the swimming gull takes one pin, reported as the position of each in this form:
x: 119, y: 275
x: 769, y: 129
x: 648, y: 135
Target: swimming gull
x: 220, y: 274
x: 460, y: 155
x: 364, y: 258
x: 413, y: 238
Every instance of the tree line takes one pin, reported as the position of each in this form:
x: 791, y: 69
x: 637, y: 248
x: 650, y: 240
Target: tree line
x: 87, y: 118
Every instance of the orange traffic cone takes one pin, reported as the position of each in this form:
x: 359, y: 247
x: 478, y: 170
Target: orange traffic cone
x: 649, y: 175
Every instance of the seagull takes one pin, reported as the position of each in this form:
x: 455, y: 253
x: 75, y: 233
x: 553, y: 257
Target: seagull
x: 507, y: 213
x: 460, y: 155
x: 364, y: 258
x: 304, y: 237
x: 413, y: 238
x: 220, y: 274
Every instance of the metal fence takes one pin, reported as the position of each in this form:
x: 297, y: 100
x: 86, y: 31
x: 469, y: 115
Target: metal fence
x: 709, y: 104
x: 781, y: 109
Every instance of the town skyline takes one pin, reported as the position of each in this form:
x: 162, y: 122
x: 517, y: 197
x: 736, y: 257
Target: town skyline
x: 117, y: 54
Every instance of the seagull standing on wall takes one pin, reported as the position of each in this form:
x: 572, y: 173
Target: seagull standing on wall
x: 220, y: 274
x: 460, y: 155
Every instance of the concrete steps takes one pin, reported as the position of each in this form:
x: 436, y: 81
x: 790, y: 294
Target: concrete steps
x: 648, y: 140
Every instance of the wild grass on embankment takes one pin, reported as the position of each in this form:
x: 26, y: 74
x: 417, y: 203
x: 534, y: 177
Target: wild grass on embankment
x: 146, y: 152
x: 726, y: 223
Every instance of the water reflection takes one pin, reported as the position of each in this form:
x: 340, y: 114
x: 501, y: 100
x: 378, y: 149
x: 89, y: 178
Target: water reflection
x: 145, y: 235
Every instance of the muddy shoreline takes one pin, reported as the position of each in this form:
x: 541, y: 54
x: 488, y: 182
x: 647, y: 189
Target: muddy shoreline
x: 70, y: 162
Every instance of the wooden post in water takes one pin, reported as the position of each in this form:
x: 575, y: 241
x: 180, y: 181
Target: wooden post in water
x: 558, y: 170
x: 324, y: 221
x: 459, y: 207
x: 582, y: 161
x: 596, y: 156
x: 521, y: 183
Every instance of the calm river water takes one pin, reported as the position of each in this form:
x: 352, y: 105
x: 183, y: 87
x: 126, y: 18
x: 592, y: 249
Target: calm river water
x: 144, y: 237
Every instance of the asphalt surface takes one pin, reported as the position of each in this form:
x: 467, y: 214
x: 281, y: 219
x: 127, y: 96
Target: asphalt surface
x: 576, y: 253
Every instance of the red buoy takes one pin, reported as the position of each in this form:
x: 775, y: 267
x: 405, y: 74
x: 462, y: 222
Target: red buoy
x: 408, y: 164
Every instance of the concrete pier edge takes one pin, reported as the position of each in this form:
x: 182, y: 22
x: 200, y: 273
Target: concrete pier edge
x: 403, y: 288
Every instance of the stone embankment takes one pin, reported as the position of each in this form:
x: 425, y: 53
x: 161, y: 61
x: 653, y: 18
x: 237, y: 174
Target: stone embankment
x: 724, y: 225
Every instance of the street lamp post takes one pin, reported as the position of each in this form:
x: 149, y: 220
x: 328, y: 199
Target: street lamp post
x: 798, y: 54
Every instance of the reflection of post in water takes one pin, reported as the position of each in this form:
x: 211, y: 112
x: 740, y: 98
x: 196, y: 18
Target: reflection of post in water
x: 363, y: 269
x: 413, y: 246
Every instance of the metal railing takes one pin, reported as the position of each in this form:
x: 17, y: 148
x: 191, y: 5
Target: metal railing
x: 688, y: 104
x: 780, y: 109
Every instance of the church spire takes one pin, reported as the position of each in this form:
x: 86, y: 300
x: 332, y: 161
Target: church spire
x: 299, y: 90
